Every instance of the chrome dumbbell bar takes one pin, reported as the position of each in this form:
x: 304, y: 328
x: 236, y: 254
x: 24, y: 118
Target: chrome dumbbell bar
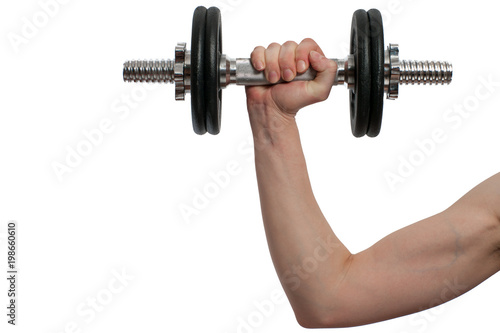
x: 240, y: 71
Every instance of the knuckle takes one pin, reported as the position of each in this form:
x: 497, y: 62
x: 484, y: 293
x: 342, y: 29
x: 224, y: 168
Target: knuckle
x: 290, y: 43
x: 257, y: 49
x: 257, y: 52
x: 273, y: 45
x: 308, y: 41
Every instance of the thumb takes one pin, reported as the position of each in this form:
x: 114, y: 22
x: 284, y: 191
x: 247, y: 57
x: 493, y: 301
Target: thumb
x: 321, y: 86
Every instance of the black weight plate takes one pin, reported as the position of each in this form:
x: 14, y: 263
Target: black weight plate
x: 360, y: 97
x: 377, y: 72
x: 213, y: 51
x: 197, y: 71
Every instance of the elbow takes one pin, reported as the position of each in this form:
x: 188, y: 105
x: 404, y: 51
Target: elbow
x: 319, y: 319
x: 327, y: 310
x: 319, y: 323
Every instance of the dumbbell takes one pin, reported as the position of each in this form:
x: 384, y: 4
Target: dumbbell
x: 369, y: 72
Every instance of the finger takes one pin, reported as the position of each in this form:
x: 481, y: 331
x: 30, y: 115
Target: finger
x: 308, y: 92
x: 319, y: 88
x: 259, y: 58
x: 302, y: 53
x: 287, y: 61
x: 272, y: 62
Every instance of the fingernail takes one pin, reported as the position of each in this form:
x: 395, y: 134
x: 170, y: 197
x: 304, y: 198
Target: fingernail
x: 273, y: 77
x: 288, y: 75
x: 301, y: 66
x: 315, y: 55
x: 259, y: 65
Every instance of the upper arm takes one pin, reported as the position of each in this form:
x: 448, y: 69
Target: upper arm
x: 425, y: 264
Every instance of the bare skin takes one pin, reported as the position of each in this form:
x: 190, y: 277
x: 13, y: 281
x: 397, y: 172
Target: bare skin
x: 420, y: 266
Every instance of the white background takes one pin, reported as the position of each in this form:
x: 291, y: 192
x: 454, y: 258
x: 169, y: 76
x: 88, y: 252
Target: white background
x: 119, y: 209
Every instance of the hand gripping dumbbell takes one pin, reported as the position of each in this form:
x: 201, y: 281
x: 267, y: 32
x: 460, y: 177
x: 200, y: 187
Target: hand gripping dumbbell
x: 369, y: 71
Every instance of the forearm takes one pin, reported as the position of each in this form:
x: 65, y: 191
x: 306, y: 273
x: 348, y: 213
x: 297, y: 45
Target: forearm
x: 307, y: 255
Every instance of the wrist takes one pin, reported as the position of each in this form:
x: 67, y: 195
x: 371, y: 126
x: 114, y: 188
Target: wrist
x: 271, y: 127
